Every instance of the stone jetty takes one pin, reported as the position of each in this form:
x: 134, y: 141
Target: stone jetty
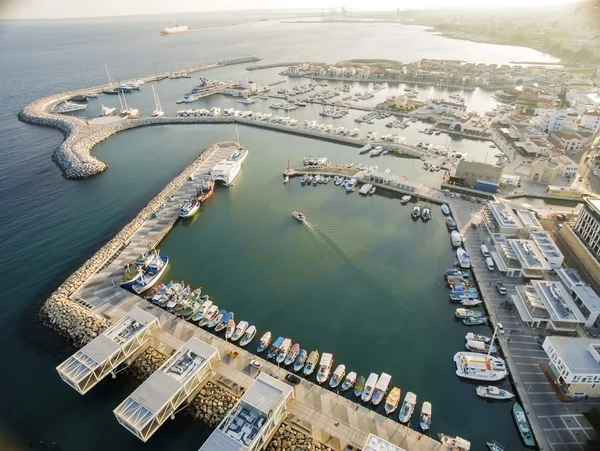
x: 146, y: 364
x: 212, y: 404
x: 288, y: 439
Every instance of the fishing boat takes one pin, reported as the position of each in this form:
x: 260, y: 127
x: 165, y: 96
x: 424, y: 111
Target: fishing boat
x: 324, y: 367
x: 367, y: 392
x: 475, y: 366
x: 211, y: 313
x: 349, y: 381
x: 470, y: 302
x: 239, y: 331
x: 338, y: 376
x: 425, y: 417
x: 283, y: 352
x: 450, y: 223
x: 298, y: 216
x: 224, y: 322
x: 151, y: 274
x: 477, y: 337
x: 392, y: 401
x: 445, y: 209
x: 286, y: 179
x: 474, y: 321
x: 191, y: 309
x: 408, y: 407
x: 275, y: 348
x: 405, y: 199
x: 309, y: 179
x: 381, y: 388
x: 189, y: 209
x: 292, y: 354
x: 426, y: 214
x: 265, y: 340
x: 416, y: 212
x: 311, y: 363
x: 467, y: 313
x: 217, y: 319
x: 455, y: 443
x: 230, y: 329
x: 300, y: 360
x: 478, y: 346
x: 495, y: 446
x: 464, y: 259
x: 492, y: 392
x: 206, y: 190
x: 134, y: 273
x: 315, y: 180
x: 359, y: 386
x: 107, y: 111
x: 523, y: 425
x: 455, y: 238
x: 248, y: 336
x: 303, y: 179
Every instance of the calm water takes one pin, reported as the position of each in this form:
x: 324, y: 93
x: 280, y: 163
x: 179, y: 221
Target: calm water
x: 362, y: 252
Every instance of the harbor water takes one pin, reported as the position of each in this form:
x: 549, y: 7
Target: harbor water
x: 349, y: 278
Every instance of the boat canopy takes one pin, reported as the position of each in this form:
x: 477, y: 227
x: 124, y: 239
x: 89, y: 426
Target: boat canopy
x: 383, y: 382
x: 372, y: 379
x: 340, y: 370
x: 326, y: 359
x: 426, y: 408
x: 411, y: 398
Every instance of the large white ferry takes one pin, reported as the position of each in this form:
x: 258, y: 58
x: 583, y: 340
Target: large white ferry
x: 227, y: 170
x: 174, y: 30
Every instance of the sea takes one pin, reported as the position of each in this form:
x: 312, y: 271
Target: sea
x: 360, y: 279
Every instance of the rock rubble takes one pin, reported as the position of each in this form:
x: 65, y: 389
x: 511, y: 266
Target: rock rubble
x: 146, y: 364
x: 211, y: 404
x: 288, y: 439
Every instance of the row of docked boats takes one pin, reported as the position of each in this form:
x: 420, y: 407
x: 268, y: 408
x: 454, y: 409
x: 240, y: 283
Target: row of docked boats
x: 417, y: 211
x: 145, y: 272
x: 203, y: 193
x: 316, y: 179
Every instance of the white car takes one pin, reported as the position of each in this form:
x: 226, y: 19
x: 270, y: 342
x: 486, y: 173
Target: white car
x: 255, y: 363
x: 500, y: 328
x: 485, y: 251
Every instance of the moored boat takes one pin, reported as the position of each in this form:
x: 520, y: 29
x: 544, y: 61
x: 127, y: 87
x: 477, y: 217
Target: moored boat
x: 474, y: 321
x: 467, y: 313
x: 275, y: 348
x: 311, y: 363
x: 492, y: 392
x: 217, y: 319
x: 239, y: 330
x: 450, y: 223
x: 425, y: 417
x: 359, y: 386
x: 265, y: 340
x: 292, y: 354
x: 367, y: 392
x: 478, y: 346
x: 405, y: 199
x: 189, y: 209
x: 477, y: 337
x: 210, y: 314
x: 470, y: 302
x: 248, y: 336
x: 224, y: 322
x: 426, y: 214
x: 523, y: 425
x: 230, y: 329
x: 445, y: 209
x: 300, y: 360
x: 408, y: 407
x: 495, y: 446
x: 283, y: 352
x: 381, y: 388
x: 475, y: 366
x: 415, y: 212
x: 455, y: 443
x: 338, y: 375
x: 349, y: 381
x: 464, y: 259
x: 151, y: 275
x: 392, y: 401
x: 455, y: 238
x: 324, y: 367
x: 303, y: 179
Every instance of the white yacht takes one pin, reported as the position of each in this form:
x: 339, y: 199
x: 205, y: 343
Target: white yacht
x: 455, y: 238
x: 464, y: 259
x: 381, y: 388
x: 227, y: 170
x: 492, y: 392
x: 473, y: 365
x: 158, y: 110
x: 369, y: 387
x: 107, y: 111
x: 324, y: 367
x: 69, y: 107
x: 174, y: 30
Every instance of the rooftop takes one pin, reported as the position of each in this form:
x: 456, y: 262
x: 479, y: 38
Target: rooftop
x: 545, y: 244
x: 528, y: 219
x: 558, y: 302
x: 594, y: 204
x: 375, y: 443
x: 575, y: 354
x: 503, y: 215
x: 529, y: 255
x: 581, y: 290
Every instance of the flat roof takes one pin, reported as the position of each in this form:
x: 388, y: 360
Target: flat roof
x: 504, y: 215
x: 575, y: 354
x: 545, y: 244
x: 594, y: 203
x: 529, y: 255
x: 265, y: 391
x: 528, y: 218
x: 375, y: 443
x: 558, y: 301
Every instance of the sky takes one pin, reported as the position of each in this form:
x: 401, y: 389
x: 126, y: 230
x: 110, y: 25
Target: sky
x: 52, y: 9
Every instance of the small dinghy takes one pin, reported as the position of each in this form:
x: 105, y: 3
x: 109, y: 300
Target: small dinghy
x: 338, y: 375
x: 248, y: 336
x: 349, y: 381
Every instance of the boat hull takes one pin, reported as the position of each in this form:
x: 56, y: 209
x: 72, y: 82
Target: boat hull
x: 153, y: 279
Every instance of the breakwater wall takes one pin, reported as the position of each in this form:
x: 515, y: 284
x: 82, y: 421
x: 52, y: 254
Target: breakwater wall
x: 288, y: 439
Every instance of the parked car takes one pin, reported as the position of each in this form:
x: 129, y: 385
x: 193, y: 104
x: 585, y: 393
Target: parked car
x: 500, y: 328
x: 501, y: 288
x: 292, y: 378
x: 490, y: 263
x: 255, y: 363
x: 485, y: 251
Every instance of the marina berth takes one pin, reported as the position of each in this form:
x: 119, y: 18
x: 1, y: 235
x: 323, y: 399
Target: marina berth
x: 425, y: 417
x: 324, y: 367
x: 248, y: 336
x: 455, y: 443
x: 338, y: 376
x: 359, y: 386
x: 264, y: 342
x: 464, y: 259
x: 283, y: 351
x: 455, y: 238
x: 523, y: 425
x: 492, y: 392
x: 230, y: 329
x: 275, y: 348
x: 239, y: 330
x: 392, y: 400
x: 349, y: 381
x: 367, y: 392
x: 407, y: 408
x: 467, y: 313
x: 224, y: 321
x: 211, y: 313
x: 300, y: 360
x: 292, y: 354
x: 311, y: 363
x: 474, y: 321
x: 381, y: 388
x: 477, y: 337
x: 475, y: 366
x: 478, y: 346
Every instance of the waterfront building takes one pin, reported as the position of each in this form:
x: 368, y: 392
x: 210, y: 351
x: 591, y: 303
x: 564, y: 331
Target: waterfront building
x: 401, y: 103
x: 574, y: 365
x: 245, y: 88
x: 119, y: 344
x: 586, y: 298
x: 571, y: 141
x: 501, y: 222
x: 470, y: 172
x: 590, y: 120
x: 375, y: 443
x: 544, y: 170
x: 548, y: 305
x: 446, y: 107
x: 564, y: 191
x: 400, y: 183
x: 529, y: 220
x: 250, y: 424
x: 547, y: 246
x: 587, y: 225
x: 175, y: 383
x: 520, y: 258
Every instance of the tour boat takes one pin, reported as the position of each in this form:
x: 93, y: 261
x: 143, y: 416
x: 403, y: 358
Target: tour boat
x: 426, y: 214
x: 300, y: 360
x: 381, y: 388
x: 338, y: 375
x: 407, y: 408
x: 292, y: 354
x: 455, y: 443
x: 311, y: 363
x: 349, y: 381
x: 230, y: 329
x: 455, y: 238
x: 239, y: 330
x: 492, y: 392
x: 415, y: 212
x: 189, y: 209
x: 392, y: 401
x: 470, y: 302
x: 211, y: 313
x: 298, y: 216
x: 174, y: 30
x: 224, y: 322
x: 283, y: 351
x: 474, y: 321
x: 367, y: 392
x: 265, y: 340
x: 478, y: 346
x: 248, y: 336
x: 495, y: 446
x: 275, y: 348
x: 467, y: 313
x: 464, y: 259
x: 523, y: 425
x: 450, y: 223
x: 405, y: 199
x: 359, y: 386
x: 324, y: 367
x: 217, y: 319
x: 227, y: 170
x: 445, y: 210
x: 107, y: 111
x: 151, y: 275
x: 425, y: 417
x: 206, y: 190
x: 68, y: 107
x: 475, y: 366
x: 477, y: 337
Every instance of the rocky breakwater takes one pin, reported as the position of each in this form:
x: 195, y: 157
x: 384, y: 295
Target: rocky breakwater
x: 146, y: 364
x: 211, y: 404
x: 287, y: 439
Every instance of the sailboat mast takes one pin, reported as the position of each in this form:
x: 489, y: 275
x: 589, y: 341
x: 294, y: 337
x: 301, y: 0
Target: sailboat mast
x: 237, y: 136
x: 491, y: 344
x: 155, y: 98
x: 108, y: 73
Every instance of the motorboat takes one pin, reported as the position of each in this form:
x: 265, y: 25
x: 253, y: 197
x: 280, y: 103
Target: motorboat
x: 264, y: 342
x: 476, y: 337
x: 189, y: 209
x: 425, y: 417
x: 300, y: 360
x: 324, y: 367
x: 381, y: 388
x: 135, y: 272
x: 365, y: 149
x: 461, y: 313
x: 283, y: 351
x: 372, y: 191
x: 474, y: 321
x: 349, y: 381
x: 495, y: 446
x: 248, y: 336
x: 151, y: 274
x: 492, y: 392
x: 405, y: 199
x: 359, y: 386
x: 426, y: 214
x: 225, y: 321
x: 92, y: 95
x: 69, y: 107
x: 292, y: 354
x: 455, y: 443
x: 478, y: 346
x: 239, y: 330
x: 338, y: 376
x: 303, y: 179
x: 298, y: 216
x: 351, y: 185
x: 230, y: 329
x: 445, y: 209
x: 378, y: 150
x: 367, y: 392
x: 315, y: 180
x: 364, y: 190
x: 392, y: 401
x: 217, y: 319
x: 416, y: 212
x: 470, y: 302
x: 475, y: 366
x: 450, y: 223
x: 311, y: 363
x: 456, y: 238
x: 523, y: 425
x: 408, y: 407
x: 464, y: 259
x: 275, y: 348
x: 210, y: 314
x: 107, y: 111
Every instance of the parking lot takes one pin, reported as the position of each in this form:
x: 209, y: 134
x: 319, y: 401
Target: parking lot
x: 562, y: 425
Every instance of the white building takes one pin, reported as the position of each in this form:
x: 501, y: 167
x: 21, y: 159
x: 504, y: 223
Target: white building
x: 590, y: 120
x: 520, y: 258
x: 529, y: 220
x: 501, y: 222
x: 571, y: 120
x: 445, y: 107
x: 586, y: 299
x: 587, y: 226
x: 551, y: 121
x: 375, y: 443
x: 546, y: 244
x: 575, y: 364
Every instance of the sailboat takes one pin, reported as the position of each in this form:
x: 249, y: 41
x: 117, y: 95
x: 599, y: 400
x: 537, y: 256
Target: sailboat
x: 126, y: 111
x: 158, y: 110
